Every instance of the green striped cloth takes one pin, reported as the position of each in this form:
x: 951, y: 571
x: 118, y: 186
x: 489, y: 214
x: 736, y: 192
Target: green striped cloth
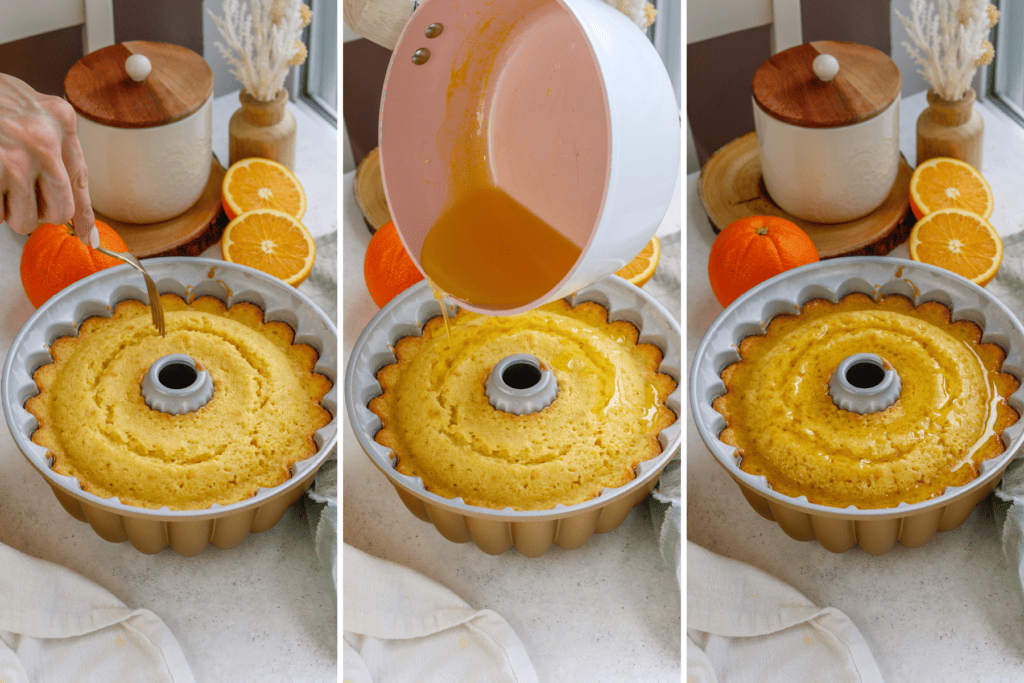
x: 321, y: 502
x: 1008, y: 502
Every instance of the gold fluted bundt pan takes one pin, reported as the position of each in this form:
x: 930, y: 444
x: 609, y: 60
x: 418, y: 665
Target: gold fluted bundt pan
x: 531, y: 532
x: 839, y: 529
x: 151, y: 530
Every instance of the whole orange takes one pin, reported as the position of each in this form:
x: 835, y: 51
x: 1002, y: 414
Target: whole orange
x: 753, y: 249
x: 387, y: 268
x: 54, y: 258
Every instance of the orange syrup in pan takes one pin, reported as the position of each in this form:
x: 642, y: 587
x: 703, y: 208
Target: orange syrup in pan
x: 490, y: 250
x: 486, y: 248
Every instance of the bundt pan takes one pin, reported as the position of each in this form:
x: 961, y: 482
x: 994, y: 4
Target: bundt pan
x: 186, y: 531
x: 840, y: 529
x: 532, y: 532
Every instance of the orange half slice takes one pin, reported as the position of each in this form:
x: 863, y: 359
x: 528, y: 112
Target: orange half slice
x: 642, y: 267
x: 943, y: 183
x: 960, y: 241
x: 271, y: 241
x: 257, y: 183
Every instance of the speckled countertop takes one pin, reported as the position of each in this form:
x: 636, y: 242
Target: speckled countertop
x: 948, y: 611
x: 609, y: 611
x: 262, y: 611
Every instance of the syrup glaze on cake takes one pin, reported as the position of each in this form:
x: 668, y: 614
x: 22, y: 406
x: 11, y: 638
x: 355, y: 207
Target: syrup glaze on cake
x: 97, y: 427
x: 604, y: 421
x: 948, y: 418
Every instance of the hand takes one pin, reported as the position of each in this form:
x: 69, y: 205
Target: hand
x: 43, y: 178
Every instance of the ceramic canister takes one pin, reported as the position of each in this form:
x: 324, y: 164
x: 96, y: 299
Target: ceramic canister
x: 827, y: 121
x: 144, y: 122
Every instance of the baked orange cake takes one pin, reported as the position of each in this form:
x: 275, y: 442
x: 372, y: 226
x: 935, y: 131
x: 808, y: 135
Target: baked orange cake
x: 604, y: 420
x: 781, y: 418
x: 98, y: 428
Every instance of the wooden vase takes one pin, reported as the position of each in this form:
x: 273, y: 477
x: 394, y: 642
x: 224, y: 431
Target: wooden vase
x: 262, y: 129
x: 950, y: 129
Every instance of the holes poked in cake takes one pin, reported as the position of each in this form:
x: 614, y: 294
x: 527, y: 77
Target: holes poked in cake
x: 870, y: 453
x: 99, y: 321
x: 545, y: 449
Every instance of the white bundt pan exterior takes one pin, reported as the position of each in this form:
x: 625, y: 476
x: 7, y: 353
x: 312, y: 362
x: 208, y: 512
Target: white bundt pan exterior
x: 494, y: 531
x: 840, y: 529
x: 186, y: 531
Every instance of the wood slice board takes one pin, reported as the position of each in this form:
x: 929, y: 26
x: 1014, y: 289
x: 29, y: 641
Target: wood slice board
x: 189, y: 234
x: 731, y: 187
x: 368, y: 187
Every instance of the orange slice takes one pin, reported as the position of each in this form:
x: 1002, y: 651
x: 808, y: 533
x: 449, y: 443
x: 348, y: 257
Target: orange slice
x: 271, y: 241
x: 943, y: 183
x: 641, y: 268
x: 256, y: 183
x: 960, y: 241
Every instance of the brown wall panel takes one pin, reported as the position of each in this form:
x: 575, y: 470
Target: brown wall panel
x: 364, y: 65
x: 41, y: 61
x: 719, y: 73
x: 720, y: 70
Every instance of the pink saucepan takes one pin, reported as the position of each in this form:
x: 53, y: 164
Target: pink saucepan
x: 571, y: 107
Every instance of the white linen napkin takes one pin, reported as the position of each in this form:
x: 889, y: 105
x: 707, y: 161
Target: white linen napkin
x: 745, y: 625
x: 56, y: 626
x: 401, y: 626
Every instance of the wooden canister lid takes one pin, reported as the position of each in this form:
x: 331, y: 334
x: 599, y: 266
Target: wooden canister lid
x: 99, y: 88
x: 787, y: 88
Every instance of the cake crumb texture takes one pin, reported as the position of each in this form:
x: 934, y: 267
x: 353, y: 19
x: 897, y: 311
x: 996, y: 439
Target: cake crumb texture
x: 604, y: 421
x: 261, y: 419
x: 949, y: 416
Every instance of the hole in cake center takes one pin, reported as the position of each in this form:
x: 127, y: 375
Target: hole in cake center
x: 865, y: 375
x: 177, y: 376
x: 521, y: 375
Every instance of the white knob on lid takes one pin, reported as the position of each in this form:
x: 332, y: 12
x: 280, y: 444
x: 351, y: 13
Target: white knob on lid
x: 138, y: 67
x: 825, y: 67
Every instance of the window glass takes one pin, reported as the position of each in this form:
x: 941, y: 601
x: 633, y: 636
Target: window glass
x: 319, y: 79
x: 1006, y: 74
x: 666, y: 36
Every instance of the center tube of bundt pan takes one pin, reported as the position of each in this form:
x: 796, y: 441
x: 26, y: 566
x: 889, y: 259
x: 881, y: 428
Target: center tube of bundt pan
x: 864, y: 383
x: 176, y: 384
x: 520, y: 385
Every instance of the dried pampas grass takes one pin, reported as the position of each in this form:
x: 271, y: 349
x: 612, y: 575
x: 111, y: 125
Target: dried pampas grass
x: 262, y: 40
x: 948, y: 39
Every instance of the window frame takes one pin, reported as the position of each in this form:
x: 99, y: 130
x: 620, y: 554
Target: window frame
x: 665, y: 35
x: 990, y: 75
x: 301, y: 87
